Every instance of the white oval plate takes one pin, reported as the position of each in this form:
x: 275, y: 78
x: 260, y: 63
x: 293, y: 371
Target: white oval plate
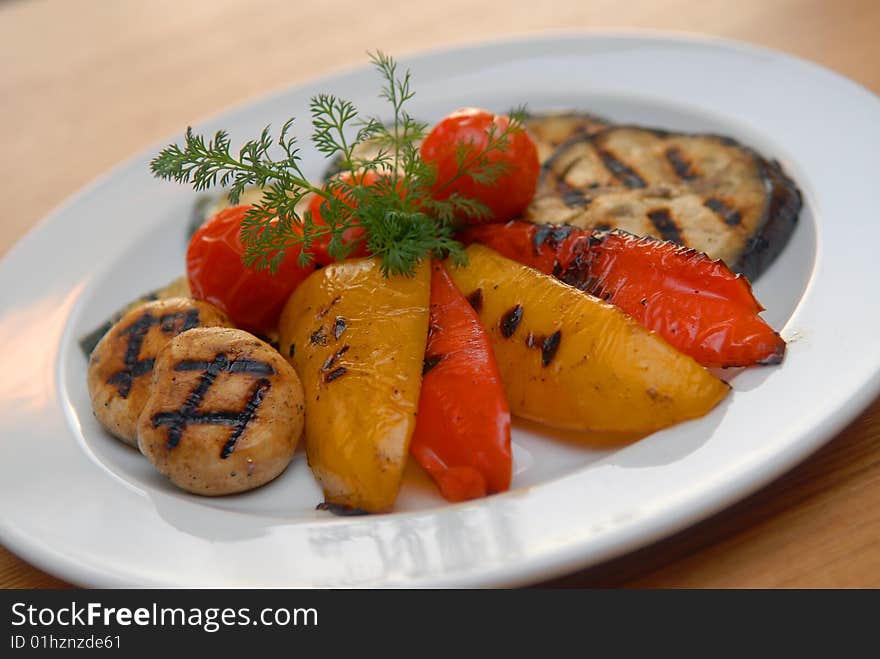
x: 84, y: 507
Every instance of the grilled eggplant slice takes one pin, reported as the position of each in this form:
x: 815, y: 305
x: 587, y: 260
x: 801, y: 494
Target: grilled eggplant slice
x: 224, y: 412
x: 550, y: 129
x: 707, y: 192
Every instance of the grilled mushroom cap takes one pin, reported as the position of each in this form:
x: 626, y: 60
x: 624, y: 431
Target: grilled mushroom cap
x: 225, y: 412
x: 121, y: 365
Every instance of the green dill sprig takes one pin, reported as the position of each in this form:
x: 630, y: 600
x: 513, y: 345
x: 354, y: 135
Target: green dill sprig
x: 402, y: 219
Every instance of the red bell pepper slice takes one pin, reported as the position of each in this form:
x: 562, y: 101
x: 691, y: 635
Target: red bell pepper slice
x: 462, y: 435
x: 698, y: 305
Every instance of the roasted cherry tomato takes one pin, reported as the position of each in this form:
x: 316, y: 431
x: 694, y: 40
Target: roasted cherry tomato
x: 510, y: 193
x: 252, y: 298
x: 462, y: 435
x: 698, y: 305
x: 320, y: 249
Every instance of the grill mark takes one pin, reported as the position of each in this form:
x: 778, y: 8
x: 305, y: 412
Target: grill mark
x: 559, y: 234
x: 134, y: 367
x: 178, y: 322
x: 430, y: 362
x: 542, y: 232
x: 250, y: 409
x: 565, y: 170
x: 291, y: 350
x: 549, y: 347
x: 178, y: 420
x: 325, y: 310
x: 510, y: 321
x: 665, y: 225
x: 729, y: 215
x: 338, y: 327
x: 572, y: 196
x: 246, y: 366
x: 319, y: 337
x: 551, y: 234
x: 332, y: 358
x: 475, y: 299
x: 335, y: 373
x: 621, y: 171
x: 680, y: 164
x: 578, y: 273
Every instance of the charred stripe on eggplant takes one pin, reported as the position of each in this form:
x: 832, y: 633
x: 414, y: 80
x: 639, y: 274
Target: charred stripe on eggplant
x: 730, y: 216
x: 681, y: 166
x: 620, y: 170
x: 665, y: 225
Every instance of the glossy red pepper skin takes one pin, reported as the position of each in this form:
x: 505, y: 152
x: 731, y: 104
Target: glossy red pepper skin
x: 462, y: 435
x: 698, y: 305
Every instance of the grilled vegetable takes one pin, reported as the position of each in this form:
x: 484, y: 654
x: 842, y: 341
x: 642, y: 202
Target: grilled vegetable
x: 486, y: 143
x: 354, y: 236
x: 357, y: 341
x: 462, y: 437
x: 121, y: 365
x: 252, y: 298
x: 703, y: 191
x: 550, y: 129
x: 698, y: 305
x: 225, y: 412
x: 570, y: 360
x: 176, y: 288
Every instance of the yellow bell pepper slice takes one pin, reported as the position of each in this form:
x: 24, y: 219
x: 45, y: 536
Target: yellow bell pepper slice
x: 357, y: 341
x: 570, y: 360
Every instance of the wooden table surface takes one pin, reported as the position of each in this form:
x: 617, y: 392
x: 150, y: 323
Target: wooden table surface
x: 86, y: 83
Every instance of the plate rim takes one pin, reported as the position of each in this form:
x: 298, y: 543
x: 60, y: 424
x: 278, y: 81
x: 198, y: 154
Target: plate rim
x: 566, y: 559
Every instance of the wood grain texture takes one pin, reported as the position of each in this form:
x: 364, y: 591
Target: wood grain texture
x: 86, y: 83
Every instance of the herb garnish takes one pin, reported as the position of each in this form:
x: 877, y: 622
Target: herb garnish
x: 403, y: 220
